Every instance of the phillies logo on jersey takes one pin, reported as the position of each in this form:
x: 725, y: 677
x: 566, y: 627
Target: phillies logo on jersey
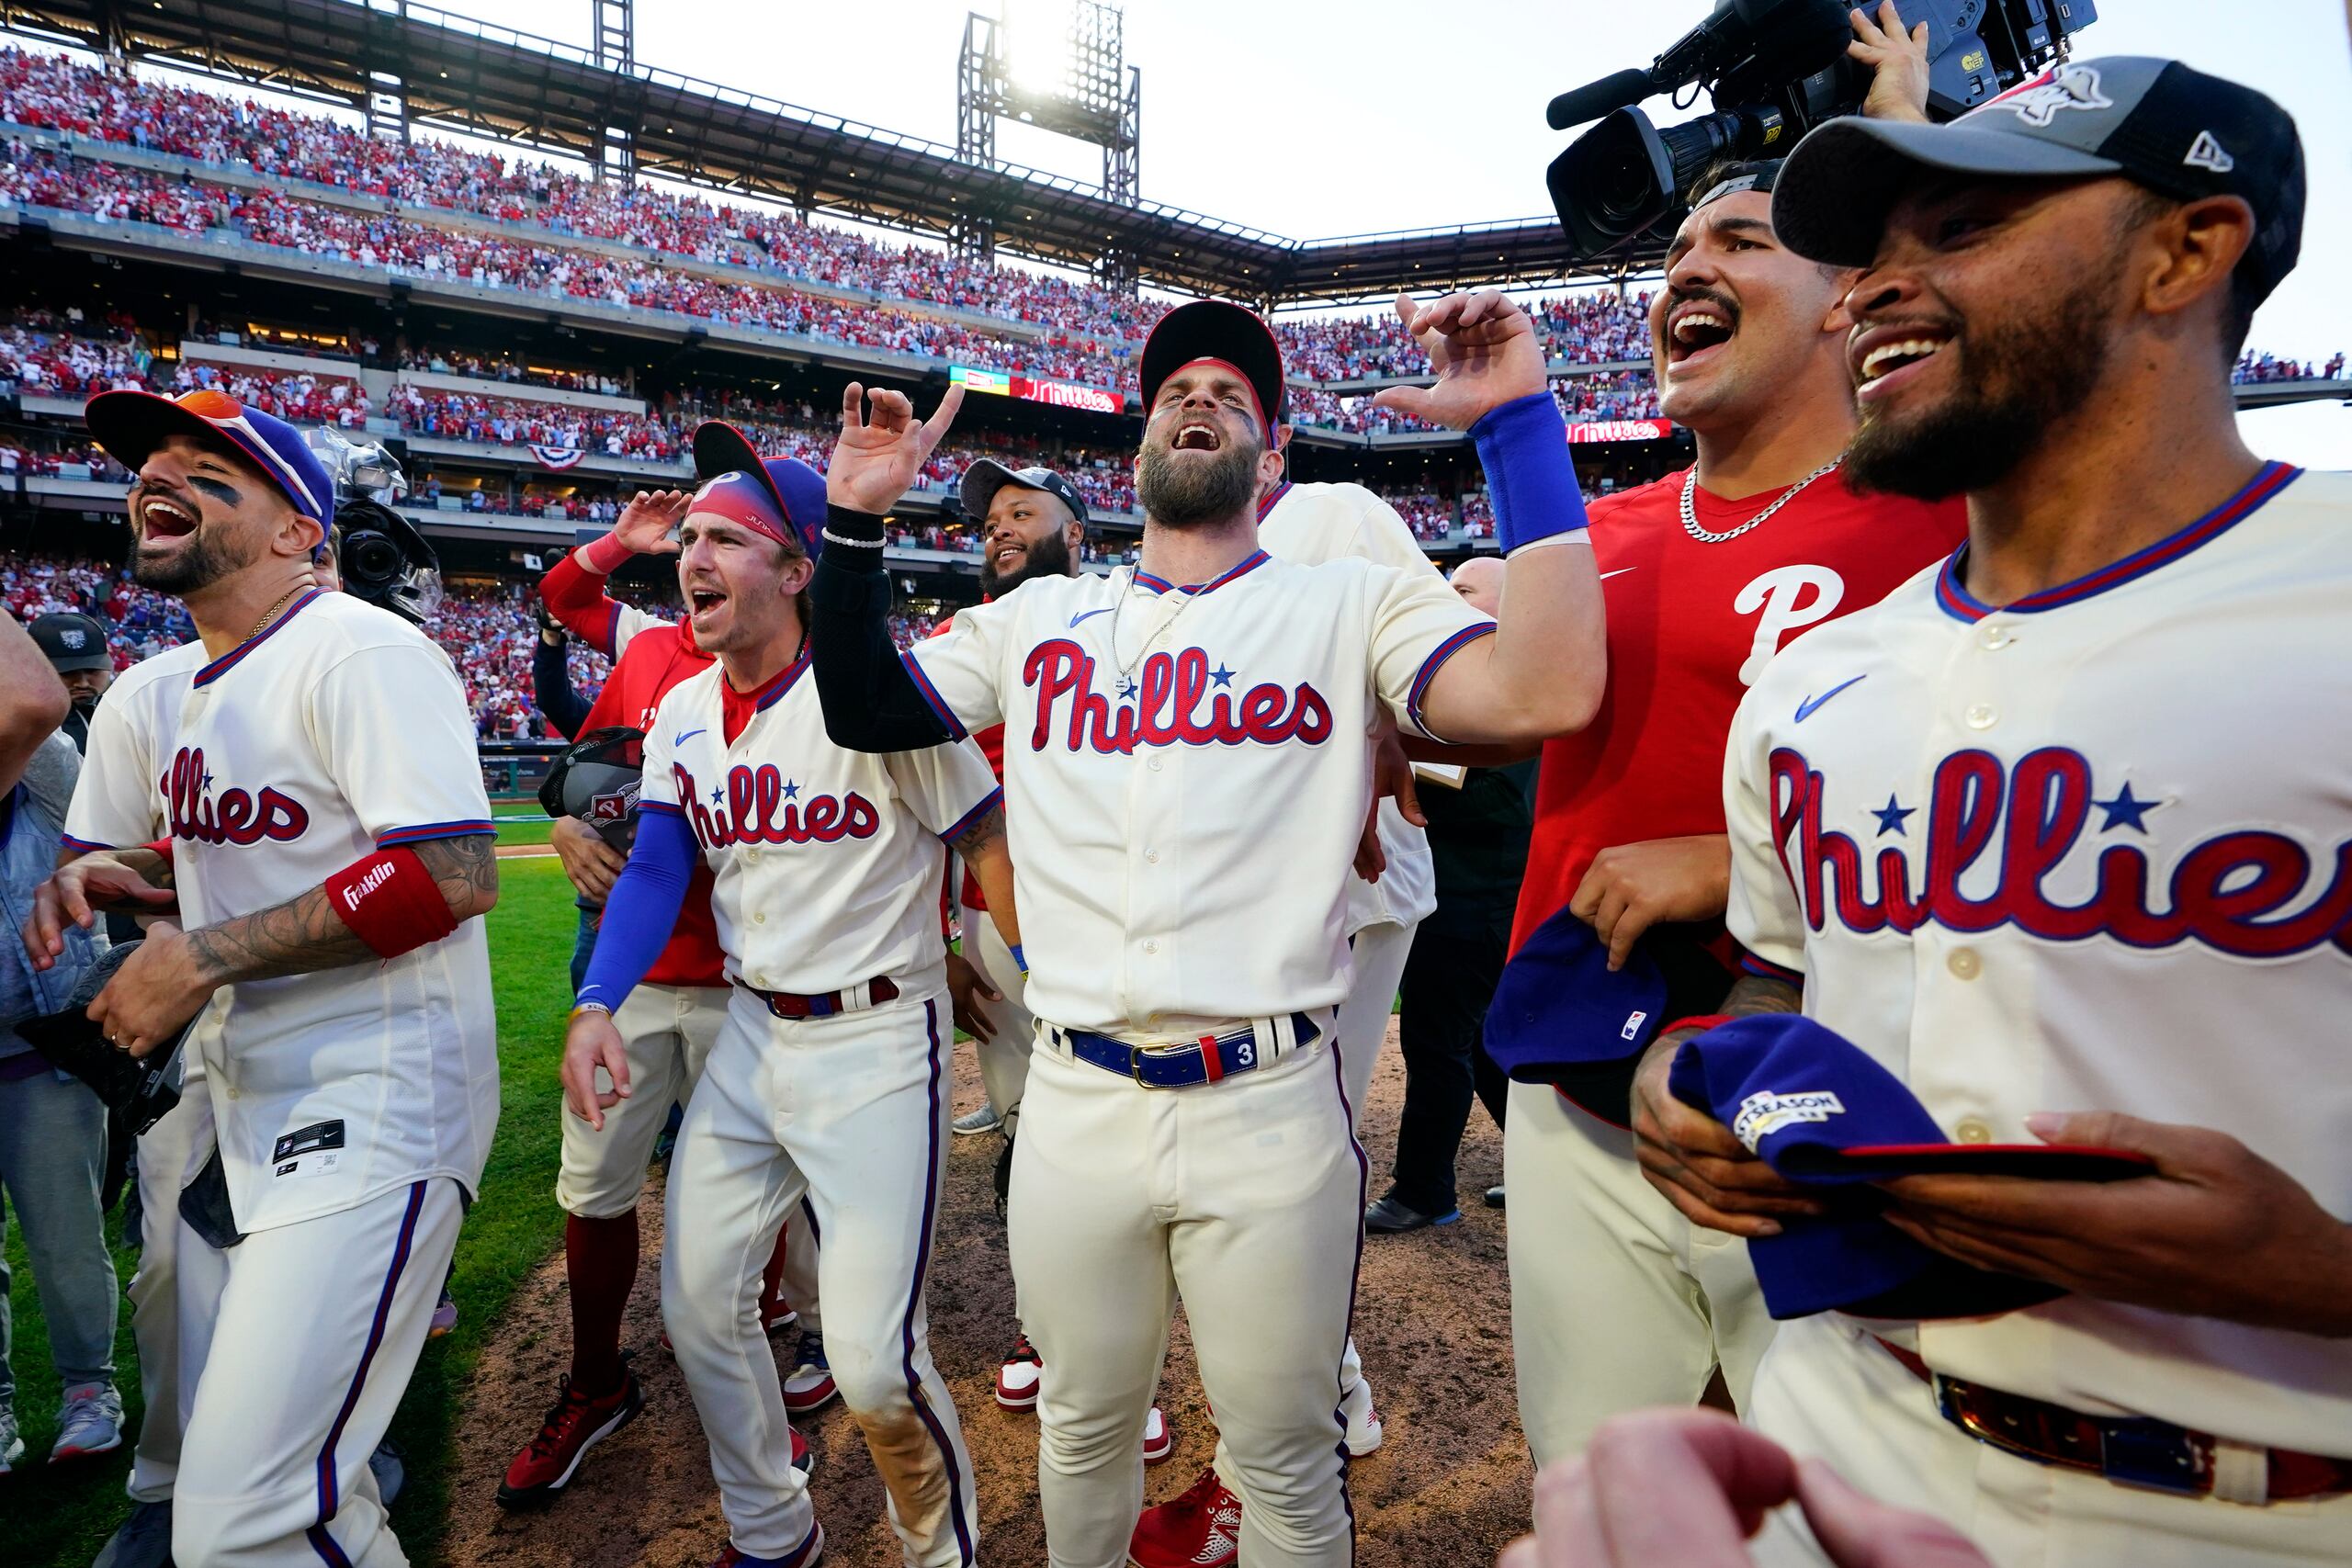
x: 235, y: 817
x: 2248, y: 891
x: 1174, y: 700
x: 760, y: 806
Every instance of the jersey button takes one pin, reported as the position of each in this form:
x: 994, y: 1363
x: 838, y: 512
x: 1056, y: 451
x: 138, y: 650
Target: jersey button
x: 1154, y: 764
x: 760, y: 919
x: 1964, y: 963
x: 1974, y: 1131
x: 1151, y: 947
x: 1151, y: 857
x: 1994, y: 635
x: 1980, y: 716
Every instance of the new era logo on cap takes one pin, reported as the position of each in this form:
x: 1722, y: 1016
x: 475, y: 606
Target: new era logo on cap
x: 2207, y: 153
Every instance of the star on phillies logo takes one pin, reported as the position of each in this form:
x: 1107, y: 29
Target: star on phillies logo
x: 1763, y: 1114
x: 2037, y: 102
x: 760, y: 806
x: 1174, y: 700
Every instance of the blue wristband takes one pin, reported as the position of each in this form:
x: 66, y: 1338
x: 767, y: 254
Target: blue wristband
x: 1524, y: 446
x: 1022, y: 959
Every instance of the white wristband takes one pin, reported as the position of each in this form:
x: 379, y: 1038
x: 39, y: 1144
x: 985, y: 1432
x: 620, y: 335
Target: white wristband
x: 1576, y: 536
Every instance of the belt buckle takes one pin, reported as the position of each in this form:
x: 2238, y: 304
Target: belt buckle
x: 2154, y: 1454
x: 1136, y: 1055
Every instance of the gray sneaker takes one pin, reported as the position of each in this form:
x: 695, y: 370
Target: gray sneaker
x: 974, y: 1123
x: 144, y: 1541
x: 89, y: 1422
x: 12, y: 1447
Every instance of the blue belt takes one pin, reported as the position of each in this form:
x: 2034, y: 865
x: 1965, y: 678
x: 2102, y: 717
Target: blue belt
x: 1183, y: 1063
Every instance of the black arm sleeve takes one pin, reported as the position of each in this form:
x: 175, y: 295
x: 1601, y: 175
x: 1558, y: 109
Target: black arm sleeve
x: 871, y: 701
x: 553, y: 690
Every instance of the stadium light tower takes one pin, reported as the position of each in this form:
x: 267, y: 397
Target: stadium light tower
x: 615, y: 33
x: 1011, y: 68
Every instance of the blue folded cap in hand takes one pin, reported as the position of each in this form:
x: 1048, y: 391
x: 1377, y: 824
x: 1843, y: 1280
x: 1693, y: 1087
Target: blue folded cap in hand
x: 1822, y: 1112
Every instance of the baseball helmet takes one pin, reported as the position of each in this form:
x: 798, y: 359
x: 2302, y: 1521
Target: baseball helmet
x: 596, y: 780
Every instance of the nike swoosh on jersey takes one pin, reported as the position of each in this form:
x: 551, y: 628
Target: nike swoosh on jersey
x: 1812, y: 705
x: 689, y: 735
x: 1084, y: 614
x: 1619, y: 572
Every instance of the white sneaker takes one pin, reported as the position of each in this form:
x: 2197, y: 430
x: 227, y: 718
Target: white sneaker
x: 974, y: 1123
x: 12, y: 1447
x: 1159, y: 1442
x: 1365, y: 1431
x: 88, y: 1422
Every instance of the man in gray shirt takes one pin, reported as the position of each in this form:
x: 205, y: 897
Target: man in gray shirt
x: 52, y: 1128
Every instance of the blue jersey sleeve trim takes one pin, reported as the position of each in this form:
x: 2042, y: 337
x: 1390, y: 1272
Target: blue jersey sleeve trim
x: 1438, y: 656
x: 425, y: 830
x: 993, y: 798
x: 945, y: 714
x: 1767, y: 970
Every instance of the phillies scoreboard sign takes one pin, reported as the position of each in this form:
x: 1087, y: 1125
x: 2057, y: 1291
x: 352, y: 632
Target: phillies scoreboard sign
x: 1620, y: 430
x: 1060, y: 394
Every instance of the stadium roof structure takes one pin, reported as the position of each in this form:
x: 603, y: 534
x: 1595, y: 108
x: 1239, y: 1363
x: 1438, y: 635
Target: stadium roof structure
x: 466, y: 76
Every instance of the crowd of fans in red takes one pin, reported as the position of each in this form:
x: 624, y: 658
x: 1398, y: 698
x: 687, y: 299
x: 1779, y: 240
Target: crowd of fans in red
x: 2260, y: 368
x: 1091, y: 334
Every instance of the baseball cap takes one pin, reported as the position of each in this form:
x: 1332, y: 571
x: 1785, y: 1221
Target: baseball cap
x: 1822, y: 1112
x: 1220, y: 331
x: 987, y: 475
x: 71, y: 641
x: 795, y: 489
x: 1558, y: 1006
x: 2172, y: 129
x: 131, y: 426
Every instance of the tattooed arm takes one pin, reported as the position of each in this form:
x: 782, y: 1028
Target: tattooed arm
x: 174, y: 972
x: 1692, y: 1157
x: 983, y: 847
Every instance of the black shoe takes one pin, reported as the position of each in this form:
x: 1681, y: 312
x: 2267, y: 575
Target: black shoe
x: 1494, y: 1197
x: 1385, y: 1216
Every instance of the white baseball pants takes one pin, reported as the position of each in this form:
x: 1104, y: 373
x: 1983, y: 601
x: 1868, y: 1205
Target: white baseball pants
x: 1617, y: 1301
x: 666, y: 1034
x: 1004, y: 1060
x: 850, y: 1112
x: 318, y: 1328
x: 1244, y: 1197
x: 1827, y: 1389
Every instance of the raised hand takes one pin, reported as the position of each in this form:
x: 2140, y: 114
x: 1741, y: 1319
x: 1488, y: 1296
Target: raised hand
x: 879, y: 454
x: 1899, y: 62
x: 647, y: 522
x: 1484, y: 350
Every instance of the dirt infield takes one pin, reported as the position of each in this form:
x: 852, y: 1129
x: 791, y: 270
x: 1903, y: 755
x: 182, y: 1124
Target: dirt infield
x: 1449, y: 1486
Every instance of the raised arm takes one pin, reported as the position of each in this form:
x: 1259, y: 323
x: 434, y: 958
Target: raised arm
x: 872, y: 700
x: 573, y: 589
x: 1543, y: 671
x: 32, y: 700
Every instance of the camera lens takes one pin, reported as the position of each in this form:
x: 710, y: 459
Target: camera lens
x: 372, y: 558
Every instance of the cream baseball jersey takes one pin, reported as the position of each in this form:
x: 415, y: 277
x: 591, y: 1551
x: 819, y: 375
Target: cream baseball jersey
x: 338, y: 730
x: 1186, y: 776
x: 1311, y: 524
x: 825, y: 861
x: 2090, y: 851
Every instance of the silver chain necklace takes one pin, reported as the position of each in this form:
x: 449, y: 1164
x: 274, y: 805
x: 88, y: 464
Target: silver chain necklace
x: 1690, y: 513
x: 1127, y: 667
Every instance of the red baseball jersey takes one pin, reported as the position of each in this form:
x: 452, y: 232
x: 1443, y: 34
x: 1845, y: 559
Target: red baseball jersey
x: 656, y: 656
x: 1690, y: 627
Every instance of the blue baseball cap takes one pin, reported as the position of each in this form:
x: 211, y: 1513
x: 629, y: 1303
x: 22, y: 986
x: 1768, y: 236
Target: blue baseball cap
x: 1824, y: 1113
x: 131, y: 426
x: 797, y: 490
x: 1558, y: 1008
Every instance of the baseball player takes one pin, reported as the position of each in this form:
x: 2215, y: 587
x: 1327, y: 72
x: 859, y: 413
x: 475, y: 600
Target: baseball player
x: 327, y: 867
x: 1617, y: 1301
x: 2027, y: 834
x: 1034, y: 522
x: 1188, y: 771
x: 668, y: 1023
x: 829, y: 1078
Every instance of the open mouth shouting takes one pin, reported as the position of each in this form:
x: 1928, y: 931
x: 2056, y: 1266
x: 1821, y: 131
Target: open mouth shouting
x: 703, y: 601
x: 1695, y: 331
x: 1196, y: 435
x: 162, y: 517
x: 1885, y: 358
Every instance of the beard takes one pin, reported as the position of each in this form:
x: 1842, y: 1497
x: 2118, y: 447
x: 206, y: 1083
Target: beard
x: 1048, y: 557
x: 202, y: 561
x: 1185, y: 495
x: 2020, y: 376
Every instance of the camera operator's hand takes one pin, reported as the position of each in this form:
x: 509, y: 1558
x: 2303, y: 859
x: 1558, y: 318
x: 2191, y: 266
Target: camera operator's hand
x: 1899, y: 62
x: 1484, y: 350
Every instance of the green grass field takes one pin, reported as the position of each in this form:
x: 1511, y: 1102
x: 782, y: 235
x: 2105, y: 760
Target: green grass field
x: 520, y: 833
x: 61, y: 1522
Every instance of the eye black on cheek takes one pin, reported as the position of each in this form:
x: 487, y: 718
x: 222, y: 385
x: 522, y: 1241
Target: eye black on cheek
x: 224, y: 494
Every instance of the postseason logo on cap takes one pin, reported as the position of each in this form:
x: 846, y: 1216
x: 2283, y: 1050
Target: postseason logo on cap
x: 1766, y: 1112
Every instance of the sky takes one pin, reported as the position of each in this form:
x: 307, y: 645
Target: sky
x: 1318, y: 117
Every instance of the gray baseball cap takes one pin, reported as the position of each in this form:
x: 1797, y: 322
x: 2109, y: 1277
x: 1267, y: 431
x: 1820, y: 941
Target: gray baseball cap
x: 987, y: 475
x: 2174, y: 130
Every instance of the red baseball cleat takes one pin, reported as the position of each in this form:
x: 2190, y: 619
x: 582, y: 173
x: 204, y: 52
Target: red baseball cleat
x: 1200, y: 1530
x: 1016, y: 1381
x: 575, y: 1423
x: 809, y: 1384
